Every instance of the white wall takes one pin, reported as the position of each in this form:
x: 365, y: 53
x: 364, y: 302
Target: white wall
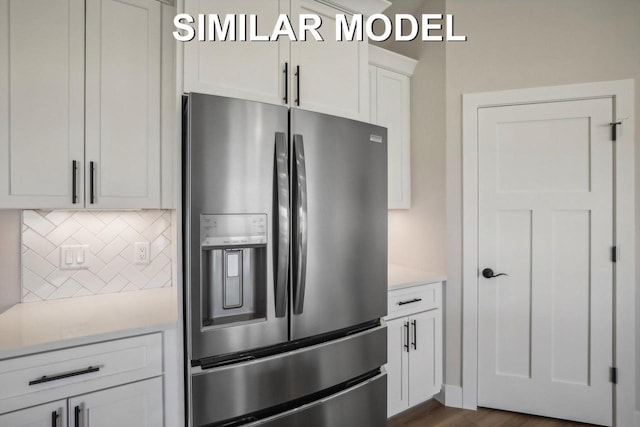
x: 527, y: 44
x: 512, y: 44
x: 10, y: 223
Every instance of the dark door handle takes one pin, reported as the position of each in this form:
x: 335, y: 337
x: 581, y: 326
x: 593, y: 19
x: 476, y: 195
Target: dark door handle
x: 74, y: 182
x: 411, y: 301
x: 286, y: 83
x: 414, y: 323
x: 76, y: 416
x: 92, y: 171
x: 297, y: 85
x: 54, y: 419
x: 49, y: 378
x: 406, y: 330
x: 487, y: 273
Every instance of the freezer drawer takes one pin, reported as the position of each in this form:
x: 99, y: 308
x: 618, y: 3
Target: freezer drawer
x: 232, y: 391
x: 361, y: 405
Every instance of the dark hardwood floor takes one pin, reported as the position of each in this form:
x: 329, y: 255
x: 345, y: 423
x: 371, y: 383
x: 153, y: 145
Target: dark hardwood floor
x: 433, y: 414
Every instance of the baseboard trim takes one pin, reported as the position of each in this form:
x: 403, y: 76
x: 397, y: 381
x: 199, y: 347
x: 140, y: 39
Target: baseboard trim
x: 452, y: 396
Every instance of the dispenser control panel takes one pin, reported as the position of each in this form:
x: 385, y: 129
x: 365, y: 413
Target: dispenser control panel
x: 233, y: 230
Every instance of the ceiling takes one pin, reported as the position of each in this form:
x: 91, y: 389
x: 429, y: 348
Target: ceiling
x: 404, y: 6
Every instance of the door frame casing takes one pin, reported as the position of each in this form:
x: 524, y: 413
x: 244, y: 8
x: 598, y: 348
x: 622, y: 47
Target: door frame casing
x: 622, y: 94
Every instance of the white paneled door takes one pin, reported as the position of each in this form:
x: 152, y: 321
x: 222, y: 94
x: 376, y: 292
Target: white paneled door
x: 546, y: 220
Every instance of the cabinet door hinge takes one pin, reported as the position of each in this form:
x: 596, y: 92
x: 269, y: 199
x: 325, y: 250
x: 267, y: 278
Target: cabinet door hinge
x: 615, y: 254
x: 614, y: 130
x: 613, y: 373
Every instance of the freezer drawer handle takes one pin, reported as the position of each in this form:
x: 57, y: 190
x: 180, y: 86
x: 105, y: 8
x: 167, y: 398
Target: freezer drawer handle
x: 411, y: 301
x: 300, y: 227
x: 282, y: 226
x: 46, y: 378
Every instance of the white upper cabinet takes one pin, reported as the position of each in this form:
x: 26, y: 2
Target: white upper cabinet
x: 391, y: 107
x: 71, y: 138
x: 332, y: 76
x: 238, y: 69
x: 123, y: 104
x: 41, y: 103
x: 329, y: 77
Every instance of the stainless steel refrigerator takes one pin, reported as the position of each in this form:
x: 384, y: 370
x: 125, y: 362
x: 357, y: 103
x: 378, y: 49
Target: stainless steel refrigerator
x: 285, y: 255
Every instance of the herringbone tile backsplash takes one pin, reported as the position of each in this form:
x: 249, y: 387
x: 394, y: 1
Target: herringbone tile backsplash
x: 110, y: 236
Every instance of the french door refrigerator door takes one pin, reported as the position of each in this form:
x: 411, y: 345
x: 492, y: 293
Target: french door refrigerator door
x: 236, y: 201
x: 339, y: 223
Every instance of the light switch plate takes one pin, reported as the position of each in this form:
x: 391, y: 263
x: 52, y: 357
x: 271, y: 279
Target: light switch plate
x: 74, y: 257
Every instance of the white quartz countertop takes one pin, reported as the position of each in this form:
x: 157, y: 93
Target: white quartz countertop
x: 403, y: 277
x: 42, y: 326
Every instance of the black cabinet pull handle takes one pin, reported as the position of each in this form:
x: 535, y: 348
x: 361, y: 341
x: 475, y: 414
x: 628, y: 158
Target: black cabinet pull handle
x: 411, y: 301
x: 54, y: 419
x: 286, y: 83
x: 406, y: 331
x: 487, y: 273
x: 298, y: 85
x: 92, y: 169
x: 76, y: 416
x: 74, y: 182
x: 46, y: 378
x: 415, y: 334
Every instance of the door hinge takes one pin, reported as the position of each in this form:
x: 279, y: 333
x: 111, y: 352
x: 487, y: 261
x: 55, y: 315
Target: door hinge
x: 615, y: 254
x: 614, y: 130
x: 613, y: 373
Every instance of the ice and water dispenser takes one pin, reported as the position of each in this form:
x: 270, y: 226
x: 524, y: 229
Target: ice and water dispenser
x: 234, y: 268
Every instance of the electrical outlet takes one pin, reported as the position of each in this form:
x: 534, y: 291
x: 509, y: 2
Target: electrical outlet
x: 141, y: 253
x: 74, y: 257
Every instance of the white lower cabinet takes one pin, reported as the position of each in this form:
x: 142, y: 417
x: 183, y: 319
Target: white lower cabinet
x: 113, y: 383
x: 132, y: 405
x: 47, y: 415
x: 414, y: 366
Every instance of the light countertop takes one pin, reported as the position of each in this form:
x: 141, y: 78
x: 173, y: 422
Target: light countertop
x: 402, y: 277
x: 49, y: 325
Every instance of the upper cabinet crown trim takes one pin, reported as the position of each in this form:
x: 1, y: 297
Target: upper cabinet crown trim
x: 365, y: 7
x: 391, y: 61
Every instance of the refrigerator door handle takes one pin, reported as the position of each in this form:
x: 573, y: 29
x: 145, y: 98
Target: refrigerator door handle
x: 301, y: 224
x: 283, y: 224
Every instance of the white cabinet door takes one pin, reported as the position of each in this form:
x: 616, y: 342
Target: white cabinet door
x: 390, y: 106
x: 425, y: 356
x: 123, y: 104
x: 238, y: 69
x: 47, y: 415
x: 397, y: 365
x: 41, y: 102
x: 333, y: 75
x: 134, y: 405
